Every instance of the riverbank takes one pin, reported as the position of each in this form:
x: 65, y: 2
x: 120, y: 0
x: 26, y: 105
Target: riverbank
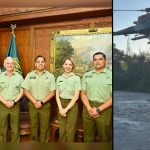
x: 131, y: 120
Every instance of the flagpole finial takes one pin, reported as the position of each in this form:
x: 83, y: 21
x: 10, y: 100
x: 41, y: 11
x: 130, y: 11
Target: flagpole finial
x: 13, y: 28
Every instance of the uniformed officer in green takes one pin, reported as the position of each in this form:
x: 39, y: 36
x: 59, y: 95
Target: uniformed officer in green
x: 96, y: 95
x: 67, y: 93
x: 39, y: 87
x: 10, y: 93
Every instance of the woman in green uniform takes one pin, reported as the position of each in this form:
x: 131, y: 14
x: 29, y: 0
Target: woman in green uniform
x: 67, y: 93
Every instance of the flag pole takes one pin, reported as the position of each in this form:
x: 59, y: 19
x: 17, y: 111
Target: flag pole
x: 12, y: 51
x: 13, y: 29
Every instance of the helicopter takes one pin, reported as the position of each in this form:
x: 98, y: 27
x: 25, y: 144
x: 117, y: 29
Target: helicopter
x: 141, y: 29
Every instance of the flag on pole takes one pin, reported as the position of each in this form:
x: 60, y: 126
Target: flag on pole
x: 13, y: 52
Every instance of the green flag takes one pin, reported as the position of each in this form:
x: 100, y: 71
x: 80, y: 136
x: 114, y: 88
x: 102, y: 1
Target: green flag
x: 13, y: 52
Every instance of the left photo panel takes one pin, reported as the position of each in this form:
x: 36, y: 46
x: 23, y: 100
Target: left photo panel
x: 56, y: 74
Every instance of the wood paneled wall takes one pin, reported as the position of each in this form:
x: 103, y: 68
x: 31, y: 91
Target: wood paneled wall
x: 33, y: 40
x: 22, y: 37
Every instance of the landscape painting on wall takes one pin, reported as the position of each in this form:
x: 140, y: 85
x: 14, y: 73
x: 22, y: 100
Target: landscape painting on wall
x: 80, y: 45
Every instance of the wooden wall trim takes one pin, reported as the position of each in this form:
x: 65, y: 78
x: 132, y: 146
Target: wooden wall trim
x: 100, y: 21
x: 58, y: 15
x: 104, y: 21
x: 46, y: 13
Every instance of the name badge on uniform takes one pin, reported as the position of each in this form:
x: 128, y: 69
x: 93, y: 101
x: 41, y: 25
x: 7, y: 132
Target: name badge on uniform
x: 46, y: 78
x: 88, y: 76
x: 33, y: 77
x: 60, y: 81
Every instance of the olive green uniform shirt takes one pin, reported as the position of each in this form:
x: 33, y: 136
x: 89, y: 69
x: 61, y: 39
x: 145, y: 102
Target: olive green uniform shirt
x: 39, y: 85
x: 10, y: 86
x: 98, y: 86
x: 67, y: 86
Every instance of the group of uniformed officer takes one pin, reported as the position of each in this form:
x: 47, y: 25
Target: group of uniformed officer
x: 39, y: 87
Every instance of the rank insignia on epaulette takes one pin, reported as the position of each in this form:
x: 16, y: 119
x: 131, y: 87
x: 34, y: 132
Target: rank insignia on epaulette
x: 88, y: 76
x: 33, y: 77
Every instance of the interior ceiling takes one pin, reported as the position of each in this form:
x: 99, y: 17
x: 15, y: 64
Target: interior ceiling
x: 8, y: 7
x: 14, y: 10
x: 56, y: 3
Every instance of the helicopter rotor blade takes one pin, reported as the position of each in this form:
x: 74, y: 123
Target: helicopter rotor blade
x: 146, y: 10
x: 129, y: 10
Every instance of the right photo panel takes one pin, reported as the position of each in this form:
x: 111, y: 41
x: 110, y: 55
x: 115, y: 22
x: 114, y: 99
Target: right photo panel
x: 131, y: 74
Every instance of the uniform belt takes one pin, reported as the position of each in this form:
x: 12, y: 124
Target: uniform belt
x: 95, y: 101
x: 65, y: 98
x: 96, y: 104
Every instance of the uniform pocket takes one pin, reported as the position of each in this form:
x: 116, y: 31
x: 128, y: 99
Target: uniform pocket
x: 3, y: 85
x: 59, y: 83
x: 32, y: 82
x: 71, y: 84
x: 87, y: 80
x: 17, y: 85
x: 47, y: 83
x: 109, y: 82
x: 3, y: 122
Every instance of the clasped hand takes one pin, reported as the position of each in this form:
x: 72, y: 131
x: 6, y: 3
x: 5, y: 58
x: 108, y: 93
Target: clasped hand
x: 93, y: 113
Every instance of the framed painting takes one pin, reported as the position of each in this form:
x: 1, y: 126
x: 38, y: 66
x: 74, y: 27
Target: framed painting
x: 80, y: 45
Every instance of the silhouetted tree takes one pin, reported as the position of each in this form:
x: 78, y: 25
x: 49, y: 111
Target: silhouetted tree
x: 131, y: 72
